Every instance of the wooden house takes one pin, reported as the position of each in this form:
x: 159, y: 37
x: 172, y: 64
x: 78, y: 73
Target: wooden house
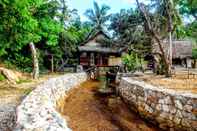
x: 95, y: 52
x: 181, y: 52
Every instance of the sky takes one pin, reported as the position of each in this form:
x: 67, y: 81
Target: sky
x: 115, y: 5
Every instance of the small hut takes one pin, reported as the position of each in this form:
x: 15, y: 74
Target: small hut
x: 95, y: 52
x: 181, y: 52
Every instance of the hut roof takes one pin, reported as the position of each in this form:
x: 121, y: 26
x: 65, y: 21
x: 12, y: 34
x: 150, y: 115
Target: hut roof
x: 180, y: 48
x: 94, y: 34
x: 92, y: 44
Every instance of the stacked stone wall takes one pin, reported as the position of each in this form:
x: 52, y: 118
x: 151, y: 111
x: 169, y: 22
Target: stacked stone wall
x: 38, y: 111
x: 166, y: 108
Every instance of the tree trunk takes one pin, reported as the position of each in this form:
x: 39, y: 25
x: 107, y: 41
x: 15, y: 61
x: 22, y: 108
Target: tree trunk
x: 169, y: 5
x: 170, y: 50
x: 164, y: 57
x: 52, y: 64
x: 156, y: 37
x: 35, y: 61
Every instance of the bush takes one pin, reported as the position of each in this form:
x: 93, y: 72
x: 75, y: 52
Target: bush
x: 194, y: 53
x: 19, y: 62
x: 133, y: 62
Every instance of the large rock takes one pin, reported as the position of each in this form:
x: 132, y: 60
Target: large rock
x: 12, y: 76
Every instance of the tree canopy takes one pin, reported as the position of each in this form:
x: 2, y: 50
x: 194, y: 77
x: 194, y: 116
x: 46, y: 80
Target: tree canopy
x: 57, y: 31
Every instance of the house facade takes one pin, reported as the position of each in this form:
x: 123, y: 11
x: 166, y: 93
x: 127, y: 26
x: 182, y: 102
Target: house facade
x: 95, y: 52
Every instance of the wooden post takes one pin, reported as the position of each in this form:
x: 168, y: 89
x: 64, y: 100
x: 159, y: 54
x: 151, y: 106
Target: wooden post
x: 52, y: 64
x: 101, y: 60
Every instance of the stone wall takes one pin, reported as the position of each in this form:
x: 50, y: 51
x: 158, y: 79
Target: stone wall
x: 167, y: 108
x: 38, y: 111
x: 7, y: 115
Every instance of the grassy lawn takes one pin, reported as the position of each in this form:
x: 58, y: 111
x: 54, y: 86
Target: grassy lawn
x: 22, y: 88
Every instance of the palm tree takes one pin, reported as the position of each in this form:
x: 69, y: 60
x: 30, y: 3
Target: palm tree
x: 98, y: 16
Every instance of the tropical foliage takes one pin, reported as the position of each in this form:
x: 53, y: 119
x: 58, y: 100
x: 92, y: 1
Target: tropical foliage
x: 41, y: 22
x: 57, y: 31
x: 128, y: 30
x: 98, y: 16
x: 188, y: 8
x: 133, y: 62
x: 194, y: 53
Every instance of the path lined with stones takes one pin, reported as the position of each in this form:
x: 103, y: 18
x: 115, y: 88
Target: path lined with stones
x: 85, y: 110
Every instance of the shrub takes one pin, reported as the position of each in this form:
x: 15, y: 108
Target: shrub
x: 194, y: 53
x: 133, y: 62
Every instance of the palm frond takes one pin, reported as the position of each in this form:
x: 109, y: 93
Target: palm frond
x: 98, y: 16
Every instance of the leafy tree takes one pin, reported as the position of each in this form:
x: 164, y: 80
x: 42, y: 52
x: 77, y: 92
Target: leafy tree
x: 17, y: 27
x: 133, y: 62
x: 188, y: 8
x: 72, y: 37
x: 161, y: 23
x: 191, y: 30
x: 194, y: 53
x: 128, y: 29
x: 125, y: 23
x: 26, y: 21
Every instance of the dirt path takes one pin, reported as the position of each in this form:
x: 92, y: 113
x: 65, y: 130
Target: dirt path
x: 85, y: 110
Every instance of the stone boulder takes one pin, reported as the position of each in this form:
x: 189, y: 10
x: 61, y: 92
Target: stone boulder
x: 11, y: 76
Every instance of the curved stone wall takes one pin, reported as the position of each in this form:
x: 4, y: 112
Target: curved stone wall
x: 167, y: 108
x: 38, y: 111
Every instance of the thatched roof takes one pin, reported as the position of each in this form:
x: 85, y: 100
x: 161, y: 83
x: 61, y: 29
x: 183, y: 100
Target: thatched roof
x: 180, y: 48
x: 94, y: 35
x: 92, y: 44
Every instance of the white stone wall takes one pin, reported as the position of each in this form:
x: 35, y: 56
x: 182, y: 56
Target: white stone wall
x: 167, y: 108
x: 38, y: 111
